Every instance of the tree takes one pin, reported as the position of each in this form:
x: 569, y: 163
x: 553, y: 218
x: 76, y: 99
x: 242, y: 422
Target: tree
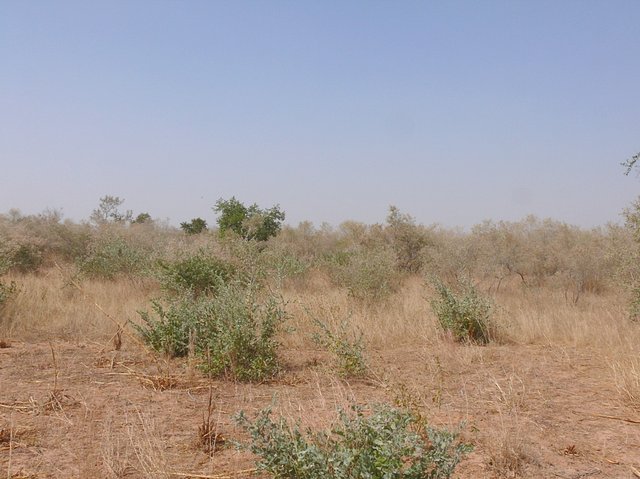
x: 251, y: 223
x: 407, y: 240
x: 143, y: 218
x: 631, y: 163
x: 108, y: 212
x: 194, y: 227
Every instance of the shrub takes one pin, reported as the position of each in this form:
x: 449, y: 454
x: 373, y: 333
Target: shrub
x: 233, y: 332
x: 111, y: 255
x: 282, y: 264
x: 194, y: 227
x: 27, y: 258
x: 349, y: 353
x: 197, y: 274
x: 407, y: 240
x: 368, y: 274
x: 174, y: 327
x: 7, y: 290
x: 463, y: 312
x: 390, y: 443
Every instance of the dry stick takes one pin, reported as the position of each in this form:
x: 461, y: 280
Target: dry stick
x: 635, y: 471
x: 215, y: 476
x: 56, y: 371
x: 623, y: 419
x: 10, y: 448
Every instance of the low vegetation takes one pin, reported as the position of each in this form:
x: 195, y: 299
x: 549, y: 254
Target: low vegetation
x: 263, y: 304
x: 387, y: 443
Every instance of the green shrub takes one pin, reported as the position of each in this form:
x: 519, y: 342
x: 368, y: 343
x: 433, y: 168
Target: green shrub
x: 388, y: 444
x: 194, y: 227
x: 7, y: 290
x: 110, y: 256
x: 282, y: 264
x: 463, y: 312
x: 173, y: 327
x: 233, y: 332
x: 368, y: 274
x: 26, y: 258
x: 197, y: 274
x: 349, y: 352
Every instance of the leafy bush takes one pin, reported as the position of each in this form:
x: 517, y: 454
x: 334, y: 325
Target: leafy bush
x: 408, y: 240
x: 463, y: 312
x: 388, y: 444
x: 194, y: 227
x: 368, y: 274
x: 111, y: 255
x: 281, y: 264
x: 233, y: 332
x: 174, y: 327
x: 198, y: 274
x: 6, y: 291
x: 26, y: 258
x: 349, y: 353
x: 249, y: 222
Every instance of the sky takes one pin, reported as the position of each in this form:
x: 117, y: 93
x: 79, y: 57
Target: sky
x: 453, y: 111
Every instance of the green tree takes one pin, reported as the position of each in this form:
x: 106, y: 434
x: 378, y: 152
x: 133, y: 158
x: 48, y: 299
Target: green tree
x: 248, y: 222
x: 194, y: 227
x: 143, y: 218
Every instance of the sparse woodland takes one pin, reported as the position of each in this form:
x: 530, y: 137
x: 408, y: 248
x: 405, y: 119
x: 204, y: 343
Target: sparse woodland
x: 251, y: 349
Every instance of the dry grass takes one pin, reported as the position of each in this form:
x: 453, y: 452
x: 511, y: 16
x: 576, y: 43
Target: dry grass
x: 500, y: 390
x: 48, y: 305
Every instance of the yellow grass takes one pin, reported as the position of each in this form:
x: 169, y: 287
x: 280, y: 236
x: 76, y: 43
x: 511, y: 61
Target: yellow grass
x: 49, y: 305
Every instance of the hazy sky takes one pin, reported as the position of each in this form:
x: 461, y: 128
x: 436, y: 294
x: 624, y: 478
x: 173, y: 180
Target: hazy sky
x: 455, y: 111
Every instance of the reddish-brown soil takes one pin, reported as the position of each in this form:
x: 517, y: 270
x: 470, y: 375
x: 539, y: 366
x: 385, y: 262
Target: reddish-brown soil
x: 73, y: 411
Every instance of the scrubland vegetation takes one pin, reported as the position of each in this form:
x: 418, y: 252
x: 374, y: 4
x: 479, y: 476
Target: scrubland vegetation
x: 381, y: 348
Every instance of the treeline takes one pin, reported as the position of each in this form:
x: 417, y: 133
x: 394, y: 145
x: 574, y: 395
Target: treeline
x: 368, y: 260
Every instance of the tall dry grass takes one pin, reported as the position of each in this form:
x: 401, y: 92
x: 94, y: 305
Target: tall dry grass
x: 49, y: 305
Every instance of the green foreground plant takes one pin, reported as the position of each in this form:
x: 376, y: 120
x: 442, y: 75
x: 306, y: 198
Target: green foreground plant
x: 233, y: 333
x: 348, y: 351
x: 463, y: 311
x: 197, y: 274
x: 389, y: 443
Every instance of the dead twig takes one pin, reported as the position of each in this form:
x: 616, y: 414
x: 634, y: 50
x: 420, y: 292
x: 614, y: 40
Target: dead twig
x: 244, y: 472
x: 623, y: 419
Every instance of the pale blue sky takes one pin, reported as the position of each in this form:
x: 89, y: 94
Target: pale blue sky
x: 455, y: 111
